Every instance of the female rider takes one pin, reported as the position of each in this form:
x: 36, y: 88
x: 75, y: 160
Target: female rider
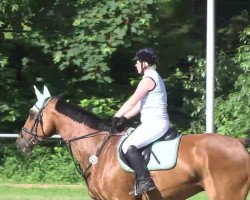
x: 150, y: 99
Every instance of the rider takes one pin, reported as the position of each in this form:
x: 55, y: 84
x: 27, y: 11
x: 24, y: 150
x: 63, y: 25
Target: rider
x: 150, y: 99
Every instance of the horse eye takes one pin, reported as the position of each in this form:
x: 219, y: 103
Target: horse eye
x: 32, y: 114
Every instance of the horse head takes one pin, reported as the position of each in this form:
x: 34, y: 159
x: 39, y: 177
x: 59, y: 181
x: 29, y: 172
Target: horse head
x: 36, y: 127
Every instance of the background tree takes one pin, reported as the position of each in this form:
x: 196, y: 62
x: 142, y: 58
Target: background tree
x: 82, y: 51
x: 64, y: 44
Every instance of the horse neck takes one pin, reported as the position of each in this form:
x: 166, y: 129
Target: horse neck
x: 70, y: 129
x: 83, y: 148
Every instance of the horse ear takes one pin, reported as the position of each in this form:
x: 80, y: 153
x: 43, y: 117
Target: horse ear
x: 38, y: 93
x: 46, y: 92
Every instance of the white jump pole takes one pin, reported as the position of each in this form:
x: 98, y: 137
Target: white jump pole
x: 15, y: 135
x: 210, y: 67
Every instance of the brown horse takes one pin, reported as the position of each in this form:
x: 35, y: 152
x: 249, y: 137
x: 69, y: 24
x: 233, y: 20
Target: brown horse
x: 217, y: 164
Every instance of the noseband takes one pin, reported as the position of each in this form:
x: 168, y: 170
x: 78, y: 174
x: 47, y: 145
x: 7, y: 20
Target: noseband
x: 33, y: 130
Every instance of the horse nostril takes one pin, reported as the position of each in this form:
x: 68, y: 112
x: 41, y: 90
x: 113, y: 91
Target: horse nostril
x: 18, y: 146
x: 22, y: 145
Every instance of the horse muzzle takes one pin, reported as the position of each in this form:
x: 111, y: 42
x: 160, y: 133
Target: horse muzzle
x: 23, y: 145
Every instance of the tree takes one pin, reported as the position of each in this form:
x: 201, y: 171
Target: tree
x: 232, y: 113
x: 232, y: 82
x: 62, y: 44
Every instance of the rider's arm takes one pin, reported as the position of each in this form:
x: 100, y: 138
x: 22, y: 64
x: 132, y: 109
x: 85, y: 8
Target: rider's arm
x: 134, y: 111
x: 142, y: 89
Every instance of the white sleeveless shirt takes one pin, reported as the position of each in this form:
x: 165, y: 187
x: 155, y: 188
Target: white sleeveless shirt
x: 154, y: 103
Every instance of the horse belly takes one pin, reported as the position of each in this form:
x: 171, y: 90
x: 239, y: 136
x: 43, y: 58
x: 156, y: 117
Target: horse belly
x: 182, y: 181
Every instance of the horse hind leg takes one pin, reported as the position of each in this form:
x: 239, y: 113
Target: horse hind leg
x: 240, y: 194
x: 229, y: 190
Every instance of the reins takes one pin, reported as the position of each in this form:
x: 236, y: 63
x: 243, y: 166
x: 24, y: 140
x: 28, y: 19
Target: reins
x: 77, y: 165
x: 99, y: 150
x: 87, y: 136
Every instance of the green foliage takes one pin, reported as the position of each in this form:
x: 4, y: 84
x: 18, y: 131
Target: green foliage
x: 103, y: 107
x: 62, y: 44
x: 99, y: 31
x: 232, y: 113
x: 194, y: 89
x: 51, y: 164
x: 3, y: 62
x: 11, y: 14
x: 232, y: 86
x: 95, y: 29
x: 11, y: 103
x: 78, y: 48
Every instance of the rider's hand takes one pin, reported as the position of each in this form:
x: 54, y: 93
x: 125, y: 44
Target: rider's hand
x: 123, y: 121
x: 115, y: 121
x: 118, y: 124
x: 114, y: 125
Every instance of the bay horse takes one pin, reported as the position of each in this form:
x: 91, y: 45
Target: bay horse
x: 216, y: 164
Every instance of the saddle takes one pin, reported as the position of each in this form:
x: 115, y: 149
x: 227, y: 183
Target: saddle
x: 146, y: 151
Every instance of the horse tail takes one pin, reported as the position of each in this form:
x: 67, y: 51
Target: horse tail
x: 245, y: 142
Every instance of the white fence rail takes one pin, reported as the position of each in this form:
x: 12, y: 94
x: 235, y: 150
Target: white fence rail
x: 15, y: 135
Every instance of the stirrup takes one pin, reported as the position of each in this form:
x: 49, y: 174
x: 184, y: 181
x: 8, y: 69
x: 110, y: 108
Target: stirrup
x: 134, y: 192
x: 149, y: 185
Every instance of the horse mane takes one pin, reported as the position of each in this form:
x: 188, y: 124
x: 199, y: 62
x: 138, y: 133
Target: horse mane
x: 79, y: 115
x: 245, y: 142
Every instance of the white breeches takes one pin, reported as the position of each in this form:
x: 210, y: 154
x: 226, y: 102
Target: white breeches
x: 146, y: 133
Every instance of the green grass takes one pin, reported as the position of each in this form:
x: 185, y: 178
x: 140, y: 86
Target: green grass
x: 17, y: 192
x: 200, y: 196
x: 54, y: 192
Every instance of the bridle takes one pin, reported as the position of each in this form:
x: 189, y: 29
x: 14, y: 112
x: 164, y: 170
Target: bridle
x: 98, y: 152
x: 84, y: 174
x: 36, y: 139
x: 33, y: 131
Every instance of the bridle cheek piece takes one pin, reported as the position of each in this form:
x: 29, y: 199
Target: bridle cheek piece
x: 33, y: 131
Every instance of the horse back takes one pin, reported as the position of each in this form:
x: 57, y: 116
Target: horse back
x: 213, y: 147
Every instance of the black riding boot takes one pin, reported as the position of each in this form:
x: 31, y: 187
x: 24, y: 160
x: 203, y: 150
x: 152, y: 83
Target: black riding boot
x: 137, y: 163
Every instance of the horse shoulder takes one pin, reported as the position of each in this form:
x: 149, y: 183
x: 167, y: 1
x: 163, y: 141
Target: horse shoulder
x: 107, y: 173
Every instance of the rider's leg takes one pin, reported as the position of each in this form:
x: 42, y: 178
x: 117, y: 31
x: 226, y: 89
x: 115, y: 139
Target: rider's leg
x: 142, y: 136
x: 136, y: 161
x: 145, y: 134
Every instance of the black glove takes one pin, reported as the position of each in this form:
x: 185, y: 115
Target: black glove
x: 123, y: 121
x: 118, y: 124
x: 114, y: 125
x: 115, y: 122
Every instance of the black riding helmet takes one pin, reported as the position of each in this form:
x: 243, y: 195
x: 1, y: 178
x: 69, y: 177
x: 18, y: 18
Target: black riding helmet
x: 146, y: 55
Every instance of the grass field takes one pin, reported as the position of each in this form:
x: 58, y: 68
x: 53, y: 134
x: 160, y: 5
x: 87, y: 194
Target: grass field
x: 43, y: 192
x: 53, y: 192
